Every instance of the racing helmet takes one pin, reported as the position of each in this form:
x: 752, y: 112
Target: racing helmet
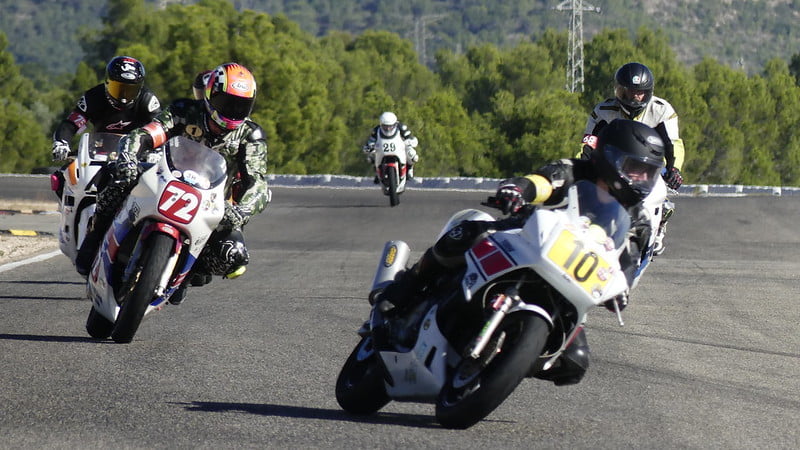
x: 199, y: 84
x: 388, y: 123
x: 229, y: 95
x: 629, y: 158
x: 633, y: 87
x: 124, y: 80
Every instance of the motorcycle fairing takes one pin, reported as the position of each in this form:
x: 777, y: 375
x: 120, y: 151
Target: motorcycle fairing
x: 419, y: 373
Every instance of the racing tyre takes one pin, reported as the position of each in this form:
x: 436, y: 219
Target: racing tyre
x: 98, y: 326
x: 478, y: 387
x: 141, y: 288
x: 359, y: 387
x: 394, y: 197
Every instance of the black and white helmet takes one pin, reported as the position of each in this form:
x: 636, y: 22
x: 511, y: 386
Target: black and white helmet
x: 633, y: 87
x: 629, y: 158
x: 124, y: 80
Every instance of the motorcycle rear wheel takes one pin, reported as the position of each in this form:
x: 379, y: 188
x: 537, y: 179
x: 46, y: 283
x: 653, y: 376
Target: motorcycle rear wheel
x: 469, y: 395
x: 359, y: 387
x: 150, y: 269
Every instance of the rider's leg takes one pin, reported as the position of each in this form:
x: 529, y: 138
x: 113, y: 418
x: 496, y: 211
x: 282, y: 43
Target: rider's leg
x: 666, y: 212
x: 446, y: 255
x: 109, y: 199
x: 225, y: 255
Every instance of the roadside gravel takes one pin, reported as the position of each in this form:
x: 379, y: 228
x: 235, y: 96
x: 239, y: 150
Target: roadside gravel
x: 15, y: 248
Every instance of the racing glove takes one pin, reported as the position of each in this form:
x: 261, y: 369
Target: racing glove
x: 673, y: 178
x: 60, y: 150
x: 508, y: 198
x: 125, y: 169
x: 369, y: 151
x: 234, y: 218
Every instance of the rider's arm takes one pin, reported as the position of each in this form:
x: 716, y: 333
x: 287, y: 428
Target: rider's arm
x: 405, y: 132
x: 668, y: 128
x: 674, y: 151
x: 76, y: 122
x: 601, y: 115
x: 373, y: 136
x: 535, y: 188
x: 69, y: 127
x: 253, y: 195
x: 144, y: 139
x: 148, y: 107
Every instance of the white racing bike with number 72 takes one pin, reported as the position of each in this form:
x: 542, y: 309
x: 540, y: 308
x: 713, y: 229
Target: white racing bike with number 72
x: 474, y: 335
x: 156, y: 238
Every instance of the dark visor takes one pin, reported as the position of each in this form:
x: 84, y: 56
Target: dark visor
x: 639, y: 170
x: 231, y: 106
x: 123, y: 92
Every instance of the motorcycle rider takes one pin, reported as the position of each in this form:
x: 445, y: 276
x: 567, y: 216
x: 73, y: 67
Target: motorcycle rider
x: 120, y: 104
x: 387, y: 127
x: 626, y: 163
x: 634, y: 99
x: 221, y: 121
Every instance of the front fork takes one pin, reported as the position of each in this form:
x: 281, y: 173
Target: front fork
x: 501, y: 304
x: 136, y: 255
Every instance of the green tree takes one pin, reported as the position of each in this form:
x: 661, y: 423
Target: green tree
x: 785, y: 117
x: 451, y: 143
x: 539, y: 128
x: 23, y: 144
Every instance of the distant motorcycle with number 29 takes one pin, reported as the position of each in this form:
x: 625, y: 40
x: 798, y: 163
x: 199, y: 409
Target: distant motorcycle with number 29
x: 391, y: 166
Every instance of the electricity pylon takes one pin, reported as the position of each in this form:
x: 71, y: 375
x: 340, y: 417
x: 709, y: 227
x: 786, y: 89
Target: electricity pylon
x: 575, y: 46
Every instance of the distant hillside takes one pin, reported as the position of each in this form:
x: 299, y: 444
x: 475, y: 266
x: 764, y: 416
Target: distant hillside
x: 738, y: 33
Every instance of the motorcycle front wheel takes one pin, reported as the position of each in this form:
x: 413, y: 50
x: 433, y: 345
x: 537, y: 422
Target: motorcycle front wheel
x: 476, y: 388
x: 394, y: 197
x: 141, y: 287
x: 359, y: 387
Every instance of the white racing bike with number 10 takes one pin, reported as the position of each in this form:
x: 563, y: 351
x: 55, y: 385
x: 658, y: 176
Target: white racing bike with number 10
x: 156, y: 238
x: 474, y: 335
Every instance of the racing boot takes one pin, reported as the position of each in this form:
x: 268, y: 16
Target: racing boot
x: 666, y: 212
x: 225, y: 255
x: 195, y: 279
x: 91, y: 242
x: 571, y: 366
x: 178, y: 296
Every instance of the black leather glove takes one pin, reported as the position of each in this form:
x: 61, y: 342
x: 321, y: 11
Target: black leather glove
x: 673, y: 178
x: 234, y: 218
x: 509, y: 198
